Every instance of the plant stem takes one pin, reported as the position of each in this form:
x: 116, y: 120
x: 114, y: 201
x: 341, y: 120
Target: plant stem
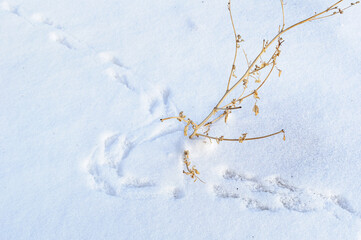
x: 237, y: 139
x: 264, y: 49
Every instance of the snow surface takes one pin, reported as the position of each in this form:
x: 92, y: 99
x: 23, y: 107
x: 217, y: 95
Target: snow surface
x: 83, y: 154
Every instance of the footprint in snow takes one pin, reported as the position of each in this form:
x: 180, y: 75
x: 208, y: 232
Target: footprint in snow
x: 274, y: 193
x: 40, y: 18
x: 60, y: 38
x: 121, y: 77
x: 10, y: 8
x: 109, y: 57
x: 118, y: 166
x: 117, y: 71
x: 142, y: 163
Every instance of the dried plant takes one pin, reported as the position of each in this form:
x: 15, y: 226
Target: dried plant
x: 192, y: 172
x: 253, y: 72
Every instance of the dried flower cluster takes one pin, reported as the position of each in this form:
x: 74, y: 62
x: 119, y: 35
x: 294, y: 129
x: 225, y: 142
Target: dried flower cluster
x: 192, y: 172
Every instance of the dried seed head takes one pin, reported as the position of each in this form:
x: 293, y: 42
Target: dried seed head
x: 245, y: 82
x: 256, y: 109
x: 255, y: 94
x: 241, y: 139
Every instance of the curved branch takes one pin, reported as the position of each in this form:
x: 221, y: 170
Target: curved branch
x: 238, y: 139
x: 236, y: 50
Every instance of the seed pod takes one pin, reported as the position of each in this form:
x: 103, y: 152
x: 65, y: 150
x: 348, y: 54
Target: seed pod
x: 256, y: 109
x: 226, y: 117
x: 255, y: 94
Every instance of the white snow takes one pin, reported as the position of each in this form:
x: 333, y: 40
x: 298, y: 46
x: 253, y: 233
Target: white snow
x: 83, y: 154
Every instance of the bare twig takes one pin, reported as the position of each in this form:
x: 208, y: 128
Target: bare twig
x: 241, y: 139
x: 238, y: 41
x: 283, y: 15
x: 178, y: 118
x: 192, y: 172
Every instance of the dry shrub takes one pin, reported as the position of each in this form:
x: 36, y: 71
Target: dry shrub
x: 253, y: 73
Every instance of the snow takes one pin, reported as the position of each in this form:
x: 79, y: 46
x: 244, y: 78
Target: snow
x: 83, y: 154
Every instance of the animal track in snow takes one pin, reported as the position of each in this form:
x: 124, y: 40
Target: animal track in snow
x: 156, y: 101
x: 37, y: 17
x: 40, y: 18
x: 10, y: 8
x: 118, y: 72
x: 119, y: 167
x: 274, y: 193
x: 57, y: 34
x: 109, y: 57
x: 120, y: 77
x: 60, y: 38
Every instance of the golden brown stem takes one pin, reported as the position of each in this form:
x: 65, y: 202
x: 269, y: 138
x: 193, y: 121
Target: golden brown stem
x: 283, y: 15
x: 236, y: 50
x: 178, y: 118
x: 269, y: 73
x: 229, y: 108
x: 237, y: 139
x: 219, y: 117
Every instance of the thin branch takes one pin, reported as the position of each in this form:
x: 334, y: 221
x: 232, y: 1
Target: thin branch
x: 236, y: 50
x: 219, y: 117
x: 178, y: 118
x: 334, y: 13
x: 226, y: 107
x: 340, y: 11
x: 245, y: 55
x: 269, y: 73
x: 229, y: 108
x: 283, y: 15
x: 238, y: 139
x: 250, y: 94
